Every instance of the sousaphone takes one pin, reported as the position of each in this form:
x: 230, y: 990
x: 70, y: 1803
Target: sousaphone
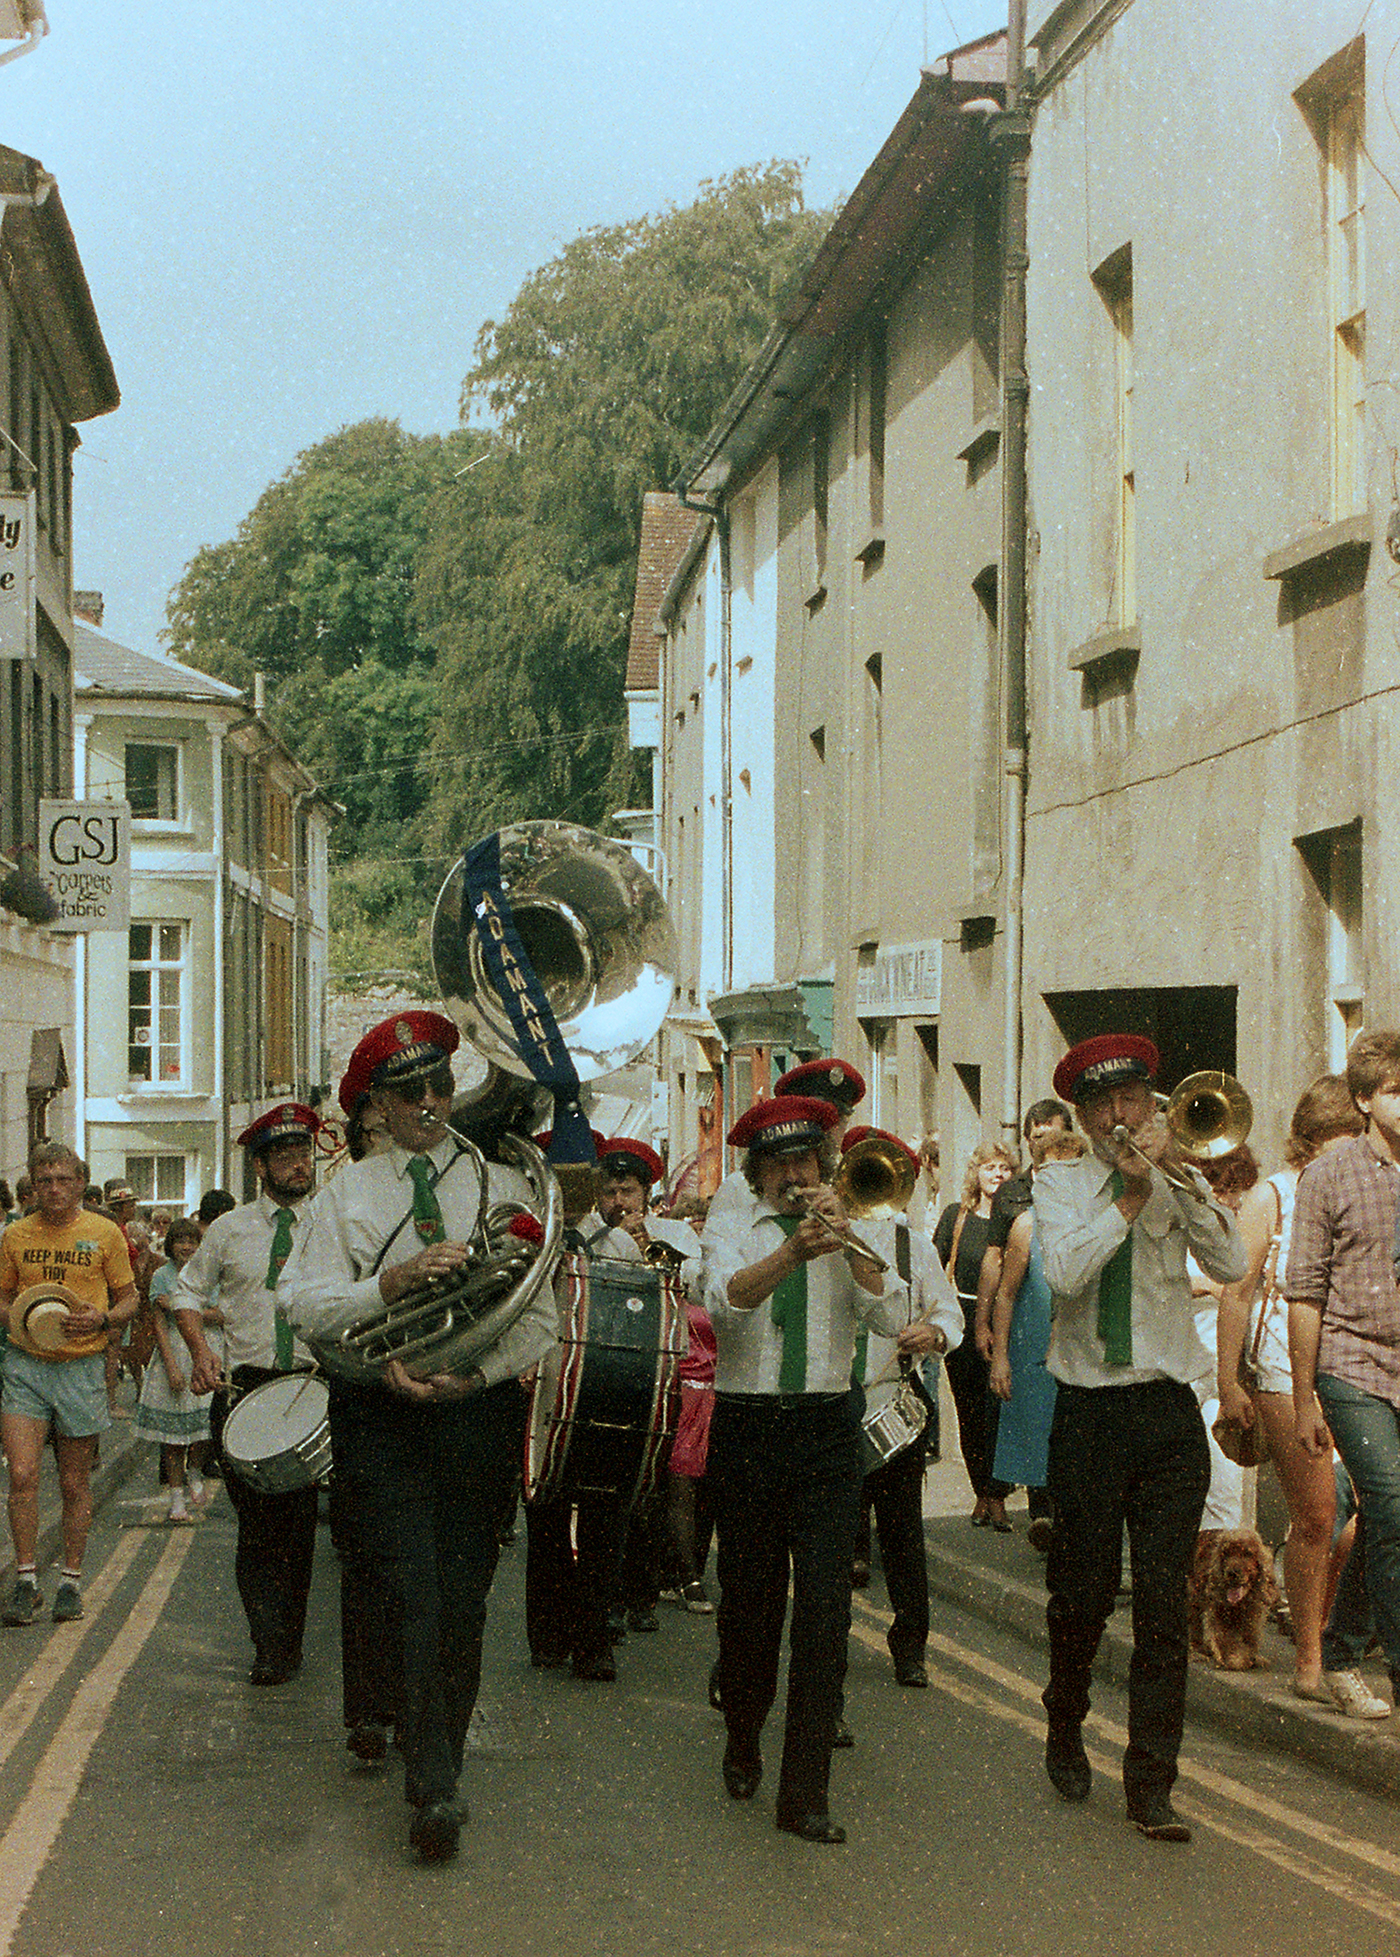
x: 596, y: 931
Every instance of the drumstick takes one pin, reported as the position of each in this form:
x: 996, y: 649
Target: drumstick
x: 885, y: 1371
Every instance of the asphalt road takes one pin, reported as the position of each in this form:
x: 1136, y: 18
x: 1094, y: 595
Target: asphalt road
x: 152, y: 1803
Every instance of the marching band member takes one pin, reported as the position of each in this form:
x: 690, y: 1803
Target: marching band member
x: 429, y: 1459
x: 239, y: 1261
x: 893, y: 1492
x: 785, y: 1447
x: 834, y: 1081
x: 1127, y: 1443
x: 619, y: 1225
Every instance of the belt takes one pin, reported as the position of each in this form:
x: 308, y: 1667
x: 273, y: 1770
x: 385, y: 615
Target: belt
x: 786, y: 1401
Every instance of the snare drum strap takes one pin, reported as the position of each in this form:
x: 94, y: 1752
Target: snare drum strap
x: 407, y: 1216
x: 902, y: 1266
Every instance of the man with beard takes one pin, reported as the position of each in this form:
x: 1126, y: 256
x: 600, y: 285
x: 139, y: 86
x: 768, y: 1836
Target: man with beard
x: 239, y: 1261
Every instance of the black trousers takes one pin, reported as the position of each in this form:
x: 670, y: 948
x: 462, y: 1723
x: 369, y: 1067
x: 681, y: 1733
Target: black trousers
x: 430, y: 1487
x: 1134, y: 1457
x: 276, y: 1543
x: 785, y: 1476
x: 371, y: 1604
x: 895, y: 1495
x: 567, y: 1596
x: 978, y: 1411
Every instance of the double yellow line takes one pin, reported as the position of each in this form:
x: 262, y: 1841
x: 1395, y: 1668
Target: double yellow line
x: 1231, y: 1808
x: 28, y: 1841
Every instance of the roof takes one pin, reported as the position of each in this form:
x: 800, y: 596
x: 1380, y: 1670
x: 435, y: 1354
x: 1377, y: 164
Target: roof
x: 919, y: 167
x: 45, y: 275
x: 101, y: 665
x: 667, y: 528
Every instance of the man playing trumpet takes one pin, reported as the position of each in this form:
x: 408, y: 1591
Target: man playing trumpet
x: 788, y: 1290
x: 1127, y: 1444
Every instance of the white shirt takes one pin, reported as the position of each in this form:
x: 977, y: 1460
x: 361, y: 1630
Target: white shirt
x: 617, y: 1244
x: 930, y: 1292
x: 332, y: 1277
x: 750, y: 1344
x: 230, y: 1269
x: 1080, y: 1226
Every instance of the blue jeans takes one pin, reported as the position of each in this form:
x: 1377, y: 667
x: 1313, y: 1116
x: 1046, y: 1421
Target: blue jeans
x: 1367, y: 1433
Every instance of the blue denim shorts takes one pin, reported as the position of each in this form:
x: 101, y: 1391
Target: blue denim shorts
x: 72, y: 1393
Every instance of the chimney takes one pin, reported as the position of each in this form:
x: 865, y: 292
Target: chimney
x: 88, y: 605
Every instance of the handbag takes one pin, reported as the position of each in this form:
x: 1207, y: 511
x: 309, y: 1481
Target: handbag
x: 1248, y: 1447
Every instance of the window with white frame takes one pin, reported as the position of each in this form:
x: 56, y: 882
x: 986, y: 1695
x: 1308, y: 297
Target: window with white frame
x: 153, y: 780
x: 156, y: 971
x: 157, y: 1178
x: 1334, y: 858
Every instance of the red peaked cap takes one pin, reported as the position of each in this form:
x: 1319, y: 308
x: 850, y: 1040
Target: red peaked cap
x: 789, y: 1124
x: 1104, y: 1061
x: 854, y: 1135
x: 289, y: 1121
x: 624, y: 1155
x: 824, y: 1080
x: 398, y: 1050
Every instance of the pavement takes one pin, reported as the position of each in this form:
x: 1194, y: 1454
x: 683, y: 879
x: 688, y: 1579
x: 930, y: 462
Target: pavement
x: 996, y: 1577
x: 1002, y: 1579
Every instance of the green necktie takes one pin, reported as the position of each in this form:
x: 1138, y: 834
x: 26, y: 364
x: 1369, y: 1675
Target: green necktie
x: 859, y: 1358
x: 790, y: 1316
x: 281, y: 1250
x: 427, y: 1214
x: 1116, y: 1296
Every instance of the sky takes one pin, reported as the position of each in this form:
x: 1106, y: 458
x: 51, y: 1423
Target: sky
x: 294, y: 216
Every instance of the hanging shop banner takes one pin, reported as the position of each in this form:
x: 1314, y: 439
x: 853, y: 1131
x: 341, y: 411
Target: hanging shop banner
x: 17, y: 632
x: 85, y: 863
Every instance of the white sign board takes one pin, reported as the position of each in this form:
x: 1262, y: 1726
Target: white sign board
x: 17, y: 632
x: 904, y: 982
x: 85, y: 863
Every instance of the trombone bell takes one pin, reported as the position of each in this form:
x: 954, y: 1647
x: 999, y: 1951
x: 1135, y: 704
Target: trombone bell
x: 1209, y: 1115
x: 875, y: 1180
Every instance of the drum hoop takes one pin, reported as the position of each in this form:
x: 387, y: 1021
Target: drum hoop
x: 262, y: 1390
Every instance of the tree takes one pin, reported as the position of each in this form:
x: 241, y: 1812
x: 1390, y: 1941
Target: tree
x: 608, y: 369
x: 316, y: 592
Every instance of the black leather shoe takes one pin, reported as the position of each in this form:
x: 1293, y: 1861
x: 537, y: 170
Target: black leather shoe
x: 642, y: 1620
x: 368, y: 1741
x: 909, y: 1671
x: 617, y: 1626
x: 1067, y: 1763
x: 548, y: 1660
x: 741, y: 1776
x: 271, y: 1671
x: 843, y: 1736
x: 434, y: 1831
x: 1154, y: 1816
x: 598, y: 1669
x: 812, y: 1827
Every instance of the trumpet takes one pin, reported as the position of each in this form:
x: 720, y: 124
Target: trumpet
x: 847, y: 1239
x: 1208, y: 1115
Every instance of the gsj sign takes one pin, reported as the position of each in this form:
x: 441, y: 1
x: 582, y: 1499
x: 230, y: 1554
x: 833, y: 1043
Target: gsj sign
x: 85, y: 863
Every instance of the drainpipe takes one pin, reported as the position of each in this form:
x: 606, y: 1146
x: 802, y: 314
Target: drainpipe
x: 218, y: 850
x: 1011, y: 135
x: 82, y: 722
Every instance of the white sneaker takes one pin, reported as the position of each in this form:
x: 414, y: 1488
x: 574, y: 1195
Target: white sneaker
x: 1351, y: 1695
x: 178, y: 1512
x: 198, y: 1493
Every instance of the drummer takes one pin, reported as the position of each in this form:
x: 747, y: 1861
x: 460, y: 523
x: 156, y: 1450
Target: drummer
x: 619, y: 1224
x: 237, y: 1266
x: 893, y: 1491
x: 430, y: 1456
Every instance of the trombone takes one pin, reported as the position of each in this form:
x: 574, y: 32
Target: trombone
x: 847, y: 1239
x: 1208, y: 1115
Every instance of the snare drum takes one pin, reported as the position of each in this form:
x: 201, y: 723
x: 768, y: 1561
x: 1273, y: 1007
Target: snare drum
x: 604, y: 1410
x: 277, y: 1436
x: 887, y: 1430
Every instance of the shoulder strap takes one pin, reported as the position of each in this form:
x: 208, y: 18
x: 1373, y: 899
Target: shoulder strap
x: 952, y: 1265
x: 407, y: 1216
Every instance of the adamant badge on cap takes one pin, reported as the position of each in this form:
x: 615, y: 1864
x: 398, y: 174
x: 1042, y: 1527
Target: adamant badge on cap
x: 1104, y: 1061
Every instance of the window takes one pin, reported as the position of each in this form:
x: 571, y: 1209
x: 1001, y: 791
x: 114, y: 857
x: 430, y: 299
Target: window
x: 153, y: 781
x: 155, y: 1004
x: 1346, y: 253
x: 157, y: 1179
x: 1333, y: 858
x: 1114, y: 280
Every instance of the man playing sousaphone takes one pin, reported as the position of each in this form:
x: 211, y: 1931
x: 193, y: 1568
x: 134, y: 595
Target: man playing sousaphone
x: 427, y: 1455
x: 788, y: 1290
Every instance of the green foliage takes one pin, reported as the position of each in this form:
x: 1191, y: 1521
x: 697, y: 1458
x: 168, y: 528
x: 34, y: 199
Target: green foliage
x: 610, y: 366
x: 379, y: 924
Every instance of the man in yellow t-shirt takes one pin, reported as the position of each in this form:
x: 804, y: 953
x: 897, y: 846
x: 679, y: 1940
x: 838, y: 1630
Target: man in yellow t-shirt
x: 64, y: 1390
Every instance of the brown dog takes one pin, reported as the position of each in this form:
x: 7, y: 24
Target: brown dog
x: 1232, y: 1591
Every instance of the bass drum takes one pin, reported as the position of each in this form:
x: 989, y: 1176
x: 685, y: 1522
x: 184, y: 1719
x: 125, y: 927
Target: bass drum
x: 277, y: 1436
x: 604, y: 1411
